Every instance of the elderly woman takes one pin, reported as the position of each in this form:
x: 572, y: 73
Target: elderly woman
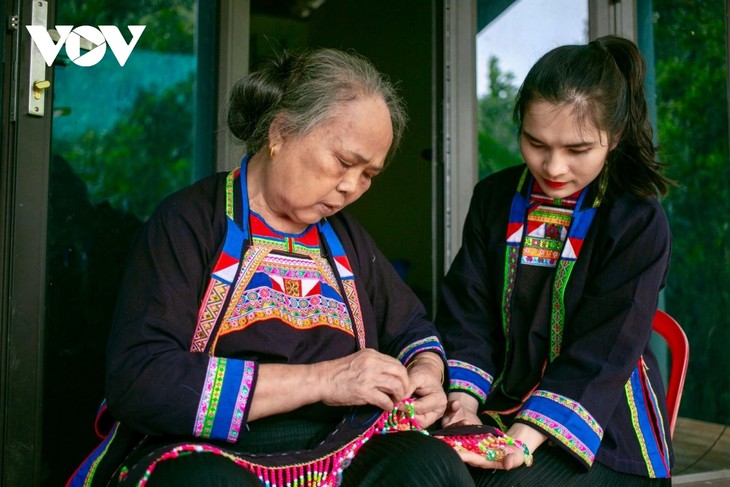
x: 255, y: 316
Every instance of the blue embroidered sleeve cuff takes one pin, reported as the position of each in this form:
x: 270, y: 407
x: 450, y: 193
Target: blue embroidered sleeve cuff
x: 565, y: 421
x: 429, y: 344
x: 465, y: 377
x: 223, y: 406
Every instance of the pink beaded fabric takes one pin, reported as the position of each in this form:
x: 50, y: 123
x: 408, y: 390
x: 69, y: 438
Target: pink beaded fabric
x: 325, y: 469
x: 486, y: 441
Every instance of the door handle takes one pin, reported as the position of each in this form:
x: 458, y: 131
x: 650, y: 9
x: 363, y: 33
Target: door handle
x: 38, y: 83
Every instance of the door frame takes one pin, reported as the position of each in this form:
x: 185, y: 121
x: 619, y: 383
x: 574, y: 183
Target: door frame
x: 25, y: 169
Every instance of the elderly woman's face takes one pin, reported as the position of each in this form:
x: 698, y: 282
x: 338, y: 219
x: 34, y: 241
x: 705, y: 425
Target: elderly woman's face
x: 317, y: 174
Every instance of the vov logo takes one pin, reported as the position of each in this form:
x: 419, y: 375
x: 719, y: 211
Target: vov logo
x: 71, y: 37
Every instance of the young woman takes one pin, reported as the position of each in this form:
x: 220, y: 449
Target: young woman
x: 547, y: 308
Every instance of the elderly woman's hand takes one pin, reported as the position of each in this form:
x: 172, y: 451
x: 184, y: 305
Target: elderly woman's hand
x: 426, y: 374
x: 365, y: 377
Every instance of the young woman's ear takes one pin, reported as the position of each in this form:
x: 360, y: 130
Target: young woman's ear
x: 614, y: 142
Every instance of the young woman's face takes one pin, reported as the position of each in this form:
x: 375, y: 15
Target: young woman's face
x: 317, y: 174
x: 562, y: 154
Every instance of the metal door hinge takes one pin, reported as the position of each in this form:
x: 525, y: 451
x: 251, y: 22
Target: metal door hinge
x: 13, y: 22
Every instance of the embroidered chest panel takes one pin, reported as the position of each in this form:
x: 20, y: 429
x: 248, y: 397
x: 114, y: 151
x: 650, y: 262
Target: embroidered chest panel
x: 548, y: 222
x: 298, y: 289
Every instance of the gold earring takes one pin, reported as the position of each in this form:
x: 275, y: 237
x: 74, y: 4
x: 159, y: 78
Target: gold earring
x: 271, y: 153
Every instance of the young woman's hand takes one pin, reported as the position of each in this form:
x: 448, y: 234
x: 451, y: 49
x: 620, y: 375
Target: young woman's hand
x: 461, y: 410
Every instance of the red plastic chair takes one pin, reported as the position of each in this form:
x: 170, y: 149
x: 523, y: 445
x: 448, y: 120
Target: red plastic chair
x: 668, y: 328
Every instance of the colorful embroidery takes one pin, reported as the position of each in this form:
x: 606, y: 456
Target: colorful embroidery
x: 547, y: 223
x: 224, y: 273
x: 343, y: 269
x: 468, y: 378
x: 209, y: 397
x: 306, y: 243
x: 242, y: 401
x: 431, y: 344
x: 575, y: 407
x: 230, y: 196
x: 456, y: 385
x: 458, y: 364
x: 215, y: 296
x: 539, y: 226
x: 654, y: 449
x: 637, y: 428
x: 566, y: 420
x: 351, y: 295
x: 560, y: 433
x: 224, y: 399
x: 562, y: 273
x: 290, y: 288
x: 327, y: 470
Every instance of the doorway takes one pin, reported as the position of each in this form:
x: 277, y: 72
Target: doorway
x: 78, y: 182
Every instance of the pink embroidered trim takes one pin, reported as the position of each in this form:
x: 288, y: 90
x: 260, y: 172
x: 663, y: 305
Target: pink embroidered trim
x: 241, y: 402
x: 209, y: 397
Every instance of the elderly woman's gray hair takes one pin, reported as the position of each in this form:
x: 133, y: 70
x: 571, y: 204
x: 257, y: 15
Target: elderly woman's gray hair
x: 303, y: 90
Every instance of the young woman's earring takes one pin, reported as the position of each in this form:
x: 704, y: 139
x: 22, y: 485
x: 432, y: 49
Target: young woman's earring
x: 602, y: 184
x: 271, y: 153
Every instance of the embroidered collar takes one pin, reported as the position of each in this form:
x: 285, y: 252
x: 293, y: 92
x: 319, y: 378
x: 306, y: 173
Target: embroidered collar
x: 582, y: 218
x: 239, y: 233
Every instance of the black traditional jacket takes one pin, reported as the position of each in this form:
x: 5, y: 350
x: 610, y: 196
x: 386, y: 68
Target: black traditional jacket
x: 601, y: 396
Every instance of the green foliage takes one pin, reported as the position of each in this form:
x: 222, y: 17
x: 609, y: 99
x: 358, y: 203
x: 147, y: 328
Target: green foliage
x: 170, y: 24
x: 692, y: 109
x: 498, y: 144
x: 144, y: 157
x: 148, y: 153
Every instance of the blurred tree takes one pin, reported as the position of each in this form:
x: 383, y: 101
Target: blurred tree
x: 497, y: 137
x: 170, y: 24
x: 145, y: 157
x: 692, y: 108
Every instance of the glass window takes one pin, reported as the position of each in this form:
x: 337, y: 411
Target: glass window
x: 687, y: 49
x: 122, y: 139
x: 509, y: 41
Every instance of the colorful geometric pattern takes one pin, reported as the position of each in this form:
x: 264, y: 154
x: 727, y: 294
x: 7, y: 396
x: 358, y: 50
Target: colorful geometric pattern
x: 565, y: 421
x: 343, y: 269
x: 208, y: 315
x: 224, y: 399
x: 278, y: 276
x: 557, y: 317
x: 307, y: 243
x: 429, y: 344
x: 534, y: 231
x: 547, y: 223
x: 643, y: 405
x: 224, y: 273
x: 351, y: 294
x: 465, y: 377
x: 295, y: 289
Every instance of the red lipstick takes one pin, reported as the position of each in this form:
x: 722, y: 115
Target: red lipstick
x: 554, y: 184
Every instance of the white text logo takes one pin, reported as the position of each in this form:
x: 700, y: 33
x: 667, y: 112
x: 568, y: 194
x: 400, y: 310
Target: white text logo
x: 71, y: 37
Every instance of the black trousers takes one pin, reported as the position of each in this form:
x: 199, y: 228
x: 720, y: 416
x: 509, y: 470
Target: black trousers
x: 553, y: 467
x: 396, y: 459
